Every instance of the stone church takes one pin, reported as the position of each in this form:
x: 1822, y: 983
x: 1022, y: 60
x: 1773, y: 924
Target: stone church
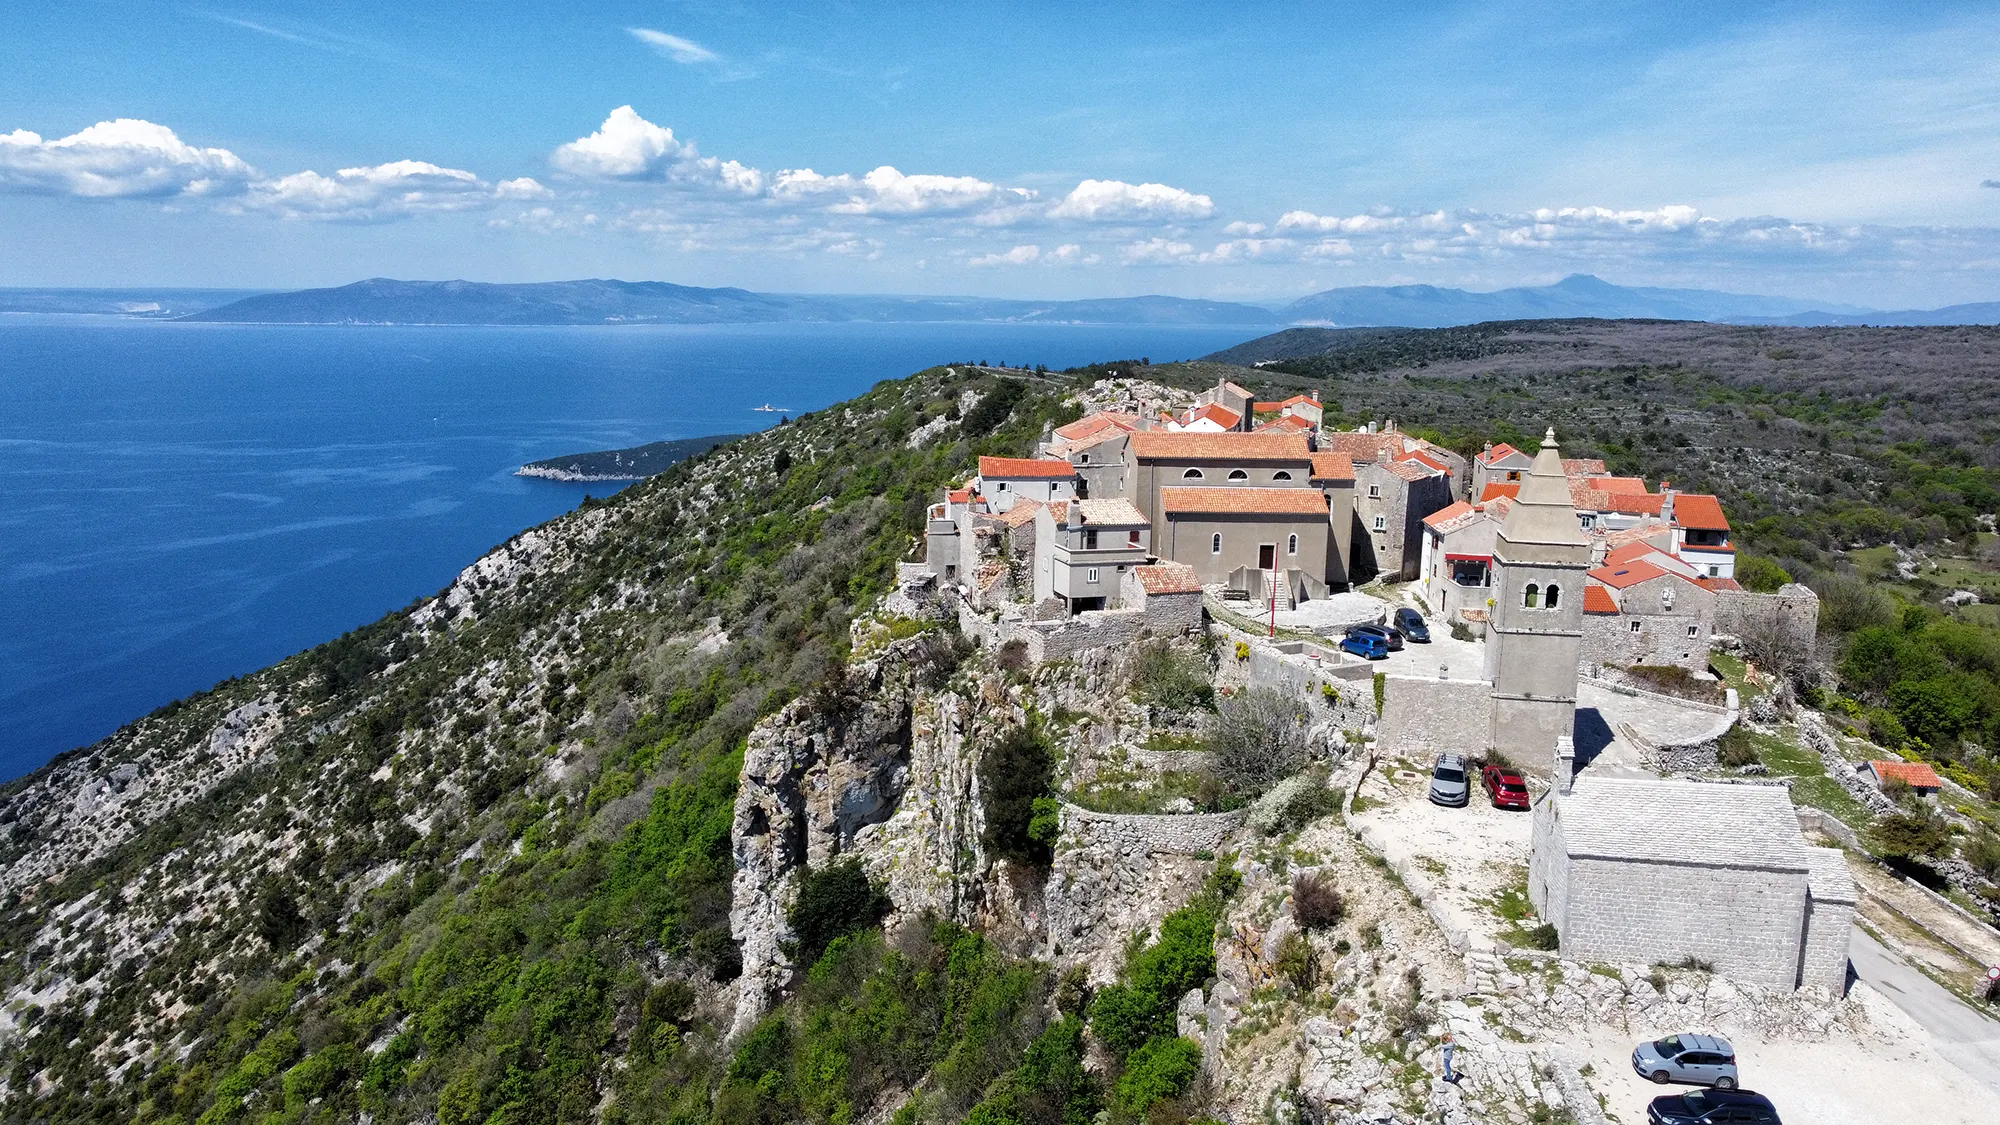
x: 1540, y: 555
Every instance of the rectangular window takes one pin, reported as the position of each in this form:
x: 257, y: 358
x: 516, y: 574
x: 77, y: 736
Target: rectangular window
x: 1635, y: 625
x: 1090, y: 540
x: 1090, y: 575
x: 1132, y: 539
x: 1694, y: 630
x: 1715, y: 572
x: 1374, y: 492
x: 1381, y: 523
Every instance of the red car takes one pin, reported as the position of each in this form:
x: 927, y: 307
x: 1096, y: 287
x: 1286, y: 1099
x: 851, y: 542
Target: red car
x: 1505, y: 787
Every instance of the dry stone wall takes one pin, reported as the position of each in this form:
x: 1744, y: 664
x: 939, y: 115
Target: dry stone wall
x: 1423, y: 717
x: 1116, y: 875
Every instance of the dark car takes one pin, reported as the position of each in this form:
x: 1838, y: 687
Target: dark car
x: 1366, y: 645
x: 1411, y: 624
x: 1388, y: 636
x: 1504, y: 787
x: 1712, y: 1107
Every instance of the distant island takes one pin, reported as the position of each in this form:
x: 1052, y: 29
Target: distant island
x: 635, y: 463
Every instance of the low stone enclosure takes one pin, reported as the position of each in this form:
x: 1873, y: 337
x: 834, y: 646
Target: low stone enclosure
x: 1121, y: 873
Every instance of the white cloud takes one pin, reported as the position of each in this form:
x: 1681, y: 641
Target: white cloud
x: 1157, y: 252
x: 398, y: 189
x: 121, y: 159
x: 629, y: 147
x: 886, y: 191
x: 685, y: 51
x: 1242, y: 228
x: 1115, y: 200
x: 1018, y: 256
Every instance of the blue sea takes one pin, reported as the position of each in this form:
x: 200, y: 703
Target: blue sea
x: 182, y: 503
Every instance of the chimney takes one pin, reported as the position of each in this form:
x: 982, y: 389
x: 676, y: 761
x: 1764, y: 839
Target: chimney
x: 1564, y: 776
x: 1666, y: 502
x: 1315, y: 396
x: 1391, y: 427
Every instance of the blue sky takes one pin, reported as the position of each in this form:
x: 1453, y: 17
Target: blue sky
x: 1242, y: 151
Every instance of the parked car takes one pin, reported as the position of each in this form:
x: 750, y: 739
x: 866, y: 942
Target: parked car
x: 1411, y: 624
x: 1448, y: 785
x: 1504, y: 787
x: 1712, y: 1107
x: 1366, y: 645
x: 1702, y: 1060
x: 1390, y: 637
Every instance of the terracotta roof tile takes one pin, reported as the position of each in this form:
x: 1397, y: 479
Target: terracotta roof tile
x: 1024, y: 468
x: 1718, y: 584
x: 1412, y: 471
x: 1111, y: 513
x: 1168, y: 578
x: 1582, y: 466
x: 1155, y: 445
x: 1917, y: 775
x: 1627, y: 574
x: 1244, y: 501
x: 1090, y: 425
x: 1700, y: 512
x: 1023, y: 512
x: 1332, y: 466
x: 1645, y: 504
x: 1597, y: 599
x: 1629, y: 486
x: 1445, y: 515
x: 1495, y: 489
x: 1220, y: 415
x: 1286, y: 423
x: 1361, y: 447
x: 1498, y: 452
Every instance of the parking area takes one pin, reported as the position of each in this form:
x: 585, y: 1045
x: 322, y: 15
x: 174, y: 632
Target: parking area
x: 1466, y: 856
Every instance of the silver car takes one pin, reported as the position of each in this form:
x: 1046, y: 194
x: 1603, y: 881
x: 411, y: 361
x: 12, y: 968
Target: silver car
x: 1448, y: 784
x: 1700, y: 1060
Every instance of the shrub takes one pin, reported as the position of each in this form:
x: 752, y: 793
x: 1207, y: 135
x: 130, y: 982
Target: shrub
x: 836, y: 900
x: 1983, y: 853
x: 1013, y: 656
x: 1735, y: 749
x: 992, y: 409
x: 1014, y: 774
x: 1260, y: 739
x: 1159, y: 1071
x: 1171, y: 678
x: 1242, y: 650
x: 1298, y: 961
x: 1759, y: 574
x: 1316, y: 903
x: 1460, y: 631
x: 1919, y: 833
x: 1142, y: 1004
x: 1543, y: 937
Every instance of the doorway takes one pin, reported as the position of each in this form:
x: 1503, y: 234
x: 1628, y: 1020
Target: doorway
x: 1267, y: 556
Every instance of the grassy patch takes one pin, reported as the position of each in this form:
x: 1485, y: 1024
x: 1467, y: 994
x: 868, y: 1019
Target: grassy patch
x: 1784, y: 757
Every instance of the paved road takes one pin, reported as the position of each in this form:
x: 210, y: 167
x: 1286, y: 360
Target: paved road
x: 1970, y: 1041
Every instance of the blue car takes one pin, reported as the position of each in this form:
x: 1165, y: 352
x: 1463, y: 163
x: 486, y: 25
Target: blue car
x: 1368, y: 646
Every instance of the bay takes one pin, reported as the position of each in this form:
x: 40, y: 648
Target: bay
x: 182, y: 503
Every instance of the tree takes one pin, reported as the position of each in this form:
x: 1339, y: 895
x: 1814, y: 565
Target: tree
x: 1015, y: 774
x: 834, y: 901
x: 1260, y: 739
x: 1918, y: 834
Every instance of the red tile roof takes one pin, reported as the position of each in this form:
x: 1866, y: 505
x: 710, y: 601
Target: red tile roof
x: 1445, y: 515
x: 1424, y: 458
x: 1361, y: 447
x: 1411, y: 470
x: 1332, y: 466
x: 1220, y: 415
x: 1499, y: 488
x: 1582, y: 466
x: 1168, y: 578
x: 1245, y: 501
x: 1091, y: 425
x: 1644, y: 504
x: 1629, y: 486
x: 1488, y: 456
x: 1718, y: 584
x: 1700, y: 512
x: 1022, y: 512
x: 1288, y: 423
x: 1024, y: 468
x: 1597, y: 599
x: 959, y: 495
x: 1618, y: 556
x: 1266, y: 407
x: 1916, y: 775
x: 1155, y: 445
x: 1627, y: 574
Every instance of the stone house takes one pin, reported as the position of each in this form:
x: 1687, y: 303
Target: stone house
x: 1218, y: 530
x: 1333, y: 475
x: 1390, y: 502
x: 1455, y: 563
x: 1168, y: 592
x: 1648, y: 608
x: 1641, y: 872
x: 1156, y: 460
x: 1003, y: 480
x: 1498, y: 463
x: 1230, y: 397
x: 1917, y: 775
x: 1083, y: 549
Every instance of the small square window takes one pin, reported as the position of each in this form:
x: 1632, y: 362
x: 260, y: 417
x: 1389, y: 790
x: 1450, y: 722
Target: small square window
x: 1715, y: 572
x: 1381, y: 523
x: 1694, y: 630
x: 1090, y: 575
x: 1374, y: 492
x: 1635, y: 625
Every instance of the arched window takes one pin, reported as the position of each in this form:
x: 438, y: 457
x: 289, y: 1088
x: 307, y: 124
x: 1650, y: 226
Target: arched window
x: 1292, y: 545
x: 1281, y: 474
x: 1555, y: 593
x: 1532, y: 596
x: 1238, y: 474
x: 1215, y: 544
x: 1191, y: 474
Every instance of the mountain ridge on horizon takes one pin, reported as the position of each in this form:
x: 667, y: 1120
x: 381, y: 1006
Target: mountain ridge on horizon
x: 384, y: 301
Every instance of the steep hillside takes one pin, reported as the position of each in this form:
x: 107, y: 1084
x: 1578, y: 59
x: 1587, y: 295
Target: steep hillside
x: 442, y: 865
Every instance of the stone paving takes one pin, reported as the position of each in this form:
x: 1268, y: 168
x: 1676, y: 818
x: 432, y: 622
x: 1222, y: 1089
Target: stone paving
x: 1607, y: 720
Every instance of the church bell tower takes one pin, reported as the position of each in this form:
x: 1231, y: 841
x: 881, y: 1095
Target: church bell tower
x: 1536, y: 633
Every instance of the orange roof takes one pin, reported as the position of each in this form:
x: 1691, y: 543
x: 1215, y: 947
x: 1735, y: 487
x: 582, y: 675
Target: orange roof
x: 1718, y: 583
x: 1499, y: 488
x: 1058, y: 510
x: 1290, y: 423
x: 1597, y: 599
x: 1332, y: 466
x: 1444, y: 515
x: 959, y: 495
x: 1092, y: 424
x: 1022, y: 512
x: 1630, y: 486
x: 1297, y: 399
x: 1643, y: 504
x: 1582, y: 466
x: 1155, y: 445
x: 1916, y: 775
x: 1487, y: 457
x: 1220, y: 415
x: 1266, y: 407
x: 1243, y: 501
x: 1024, y: 468
x: 1618, y: 556
x: 1361, y: 447
x: 1168, y: 578
x: 1420, y: 455
x: 1700, y: 511
x: 1628, y: 574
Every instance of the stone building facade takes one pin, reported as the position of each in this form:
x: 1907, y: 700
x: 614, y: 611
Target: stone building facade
x: 1637, y: 871
x: 1663, y: 620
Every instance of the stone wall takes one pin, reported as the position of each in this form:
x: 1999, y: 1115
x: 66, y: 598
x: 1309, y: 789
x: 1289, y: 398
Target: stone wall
x: 1066, y: 639
x: 1115, y: 875
x: 1289, y: 668
x: 1424, y: 717
x: 1662, y: 638
x: 1629, y: 912
x: 1788, y: 619
x: 1824, y: 962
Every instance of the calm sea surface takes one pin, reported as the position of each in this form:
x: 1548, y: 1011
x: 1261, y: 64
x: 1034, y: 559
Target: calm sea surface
x: 182, y: 503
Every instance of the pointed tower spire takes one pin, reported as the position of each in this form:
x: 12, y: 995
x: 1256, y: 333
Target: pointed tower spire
x: 1543, y: 513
